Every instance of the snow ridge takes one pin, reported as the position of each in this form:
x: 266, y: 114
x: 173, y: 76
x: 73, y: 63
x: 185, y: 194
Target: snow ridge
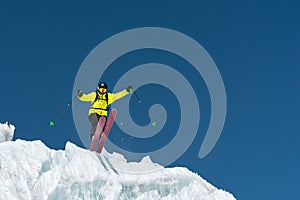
x: 6, y: 132
x: 30, y: 170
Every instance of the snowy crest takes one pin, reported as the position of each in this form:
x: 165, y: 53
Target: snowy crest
x: 6, y: 132
x: 30, y: 170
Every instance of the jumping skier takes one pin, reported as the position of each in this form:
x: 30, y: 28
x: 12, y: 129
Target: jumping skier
x: 100, y: 100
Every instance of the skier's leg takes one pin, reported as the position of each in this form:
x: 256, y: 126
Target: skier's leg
x: 93, y: 118
x: 103, y: 125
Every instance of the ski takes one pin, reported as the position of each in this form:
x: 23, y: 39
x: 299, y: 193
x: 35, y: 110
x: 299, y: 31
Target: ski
x: 108, y: 126
x: 98, y: 132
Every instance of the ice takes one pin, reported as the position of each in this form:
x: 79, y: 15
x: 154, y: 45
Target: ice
x: 31, y: 170
x: 6, y: 132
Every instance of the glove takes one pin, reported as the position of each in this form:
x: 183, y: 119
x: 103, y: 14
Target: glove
x: 129, y: 89
x: 79, y: 93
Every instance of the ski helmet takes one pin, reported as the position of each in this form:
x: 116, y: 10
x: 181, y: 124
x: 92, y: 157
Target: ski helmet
x: 102, y: 85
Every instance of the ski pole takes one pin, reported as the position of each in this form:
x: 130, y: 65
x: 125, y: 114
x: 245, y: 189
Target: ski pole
x: 51, y: 123
x: 153, y: 123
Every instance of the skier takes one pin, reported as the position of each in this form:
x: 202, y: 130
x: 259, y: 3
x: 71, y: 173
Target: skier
x: 100, y: 100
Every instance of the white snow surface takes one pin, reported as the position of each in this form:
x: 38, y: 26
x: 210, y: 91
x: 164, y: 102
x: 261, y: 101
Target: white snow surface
x: 6, y: 132
x: 30, y: 170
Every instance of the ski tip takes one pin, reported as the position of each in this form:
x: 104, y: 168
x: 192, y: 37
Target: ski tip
x: 51, y: 123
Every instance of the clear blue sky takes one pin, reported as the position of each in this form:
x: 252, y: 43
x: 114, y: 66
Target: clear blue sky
x: 255, y: 45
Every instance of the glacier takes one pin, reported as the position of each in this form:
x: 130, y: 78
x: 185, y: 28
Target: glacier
x: 31, y: 170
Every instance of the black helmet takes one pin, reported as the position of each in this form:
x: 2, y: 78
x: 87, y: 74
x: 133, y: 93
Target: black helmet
x: 102, y: 85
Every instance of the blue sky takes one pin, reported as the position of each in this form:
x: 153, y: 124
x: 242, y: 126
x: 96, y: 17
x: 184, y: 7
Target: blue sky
x: 254, y: 44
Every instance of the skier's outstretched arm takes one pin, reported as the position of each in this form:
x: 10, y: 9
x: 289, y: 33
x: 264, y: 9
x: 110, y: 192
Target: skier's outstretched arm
x: 120, y: 95
x: 86, y: 97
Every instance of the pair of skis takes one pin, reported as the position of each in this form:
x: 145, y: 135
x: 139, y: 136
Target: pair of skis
x: 103, y: 134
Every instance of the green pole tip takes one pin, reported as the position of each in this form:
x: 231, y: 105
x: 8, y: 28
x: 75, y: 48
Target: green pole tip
x: 154, y: 124
x: 131, y: 90
x: 140, y: 101
x: 51, y: 123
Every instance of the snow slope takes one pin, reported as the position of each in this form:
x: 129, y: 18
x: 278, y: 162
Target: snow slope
x: 30, y: 170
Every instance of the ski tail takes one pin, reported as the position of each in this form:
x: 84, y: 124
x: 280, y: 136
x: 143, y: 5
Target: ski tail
x: 98, y: 132
x: 108, y: 126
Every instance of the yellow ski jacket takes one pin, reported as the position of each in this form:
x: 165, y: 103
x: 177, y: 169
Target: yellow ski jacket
x: 100, y: 105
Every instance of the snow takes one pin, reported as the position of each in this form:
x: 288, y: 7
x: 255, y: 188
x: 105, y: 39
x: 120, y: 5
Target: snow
x: 6, y: 132
x: 30, y: 170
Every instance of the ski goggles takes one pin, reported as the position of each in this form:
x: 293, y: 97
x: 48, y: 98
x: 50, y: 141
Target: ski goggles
x: 102, y: 90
